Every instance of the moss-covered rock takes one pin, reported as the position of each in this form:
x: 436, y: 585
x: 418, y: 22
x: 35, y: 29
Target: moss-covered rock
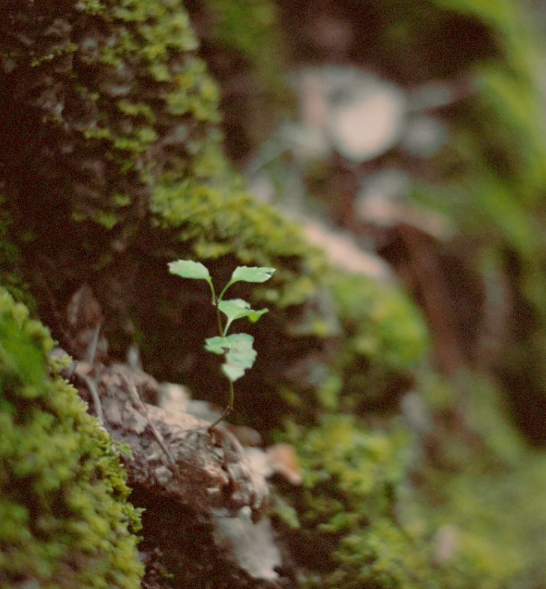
x: 65, y: 521
x: 399, y: 505
x: 348, y: 534
x: 118, y: 169
x: 384, y: 341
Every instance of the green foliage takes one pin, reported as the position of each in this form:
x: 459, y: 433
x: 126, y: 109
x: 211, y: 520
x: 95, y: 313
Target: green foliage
x: 381, y: 508
x: 352, y: 479
x: 385, y: 339
x: 237, y: 348
x: 238, y: 353
x: 492, y: 176
x: 65, y: 521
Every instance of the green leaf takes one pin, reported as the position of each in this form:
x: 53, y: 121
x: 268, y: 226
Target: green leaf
x: 232, y: 371
x: 240, y: 355
x: 189, y: 269
x: 255, y: 315
x: 237, y: 309
x: 251, y: 274
x: 217, y: 344
x: 194, y: 270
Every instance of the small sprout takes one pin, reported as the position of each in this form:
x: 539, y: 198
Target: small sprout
x: 238, y: 351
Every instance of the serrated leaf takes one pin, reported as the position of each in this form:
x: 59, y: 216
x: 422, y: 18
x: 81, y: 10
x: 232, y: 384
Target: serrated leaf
x: 237, y: 309
x: 251, y: 274
x: 189, y: 269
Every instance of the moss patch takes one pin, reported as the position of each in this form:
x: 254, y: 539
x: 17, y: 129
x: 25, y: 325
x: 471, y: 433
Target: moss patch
x: 392, y: 507
x: 64, y: 518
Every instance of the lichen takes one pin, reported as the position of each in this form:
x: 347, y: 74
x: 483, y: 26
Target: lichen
x: 65, y: 520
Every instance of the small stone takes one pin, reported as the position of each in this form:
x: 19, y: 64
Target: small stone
x: 163, y: 475
x: 253, y: 544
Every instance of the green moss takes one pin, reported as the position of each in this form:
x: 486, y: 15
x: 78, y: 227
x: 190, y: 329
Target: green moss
x: 252, y: 29
x: 225, y: 220
x: 487, y: 492
x: 352, y: 478
x: 388, y: 509
x: 386, y: 556
x: 122, y: 56
x: 10, y: 259
x: 64, y: 518
x: 385, y: 339
x: 142, y: 136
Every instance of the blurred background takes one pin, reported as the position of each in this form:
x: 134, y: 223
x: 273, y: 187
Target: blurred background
x: 408, y: 139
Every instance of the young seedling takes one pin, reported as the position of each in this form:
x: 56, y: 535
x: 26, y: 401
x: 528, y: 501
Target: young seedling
x: 239, y: 355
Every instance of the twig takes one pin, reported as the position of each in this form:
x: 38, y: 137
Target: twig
x: 141, y: 407
x: 92, y: 387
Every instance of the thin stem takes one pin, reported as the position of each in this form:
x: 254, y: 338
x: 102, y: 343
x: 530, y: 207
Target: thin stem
x: 224, y: 290
x: 229, y: 409
x: 223, y: 332
x: 226, y: 412
x: 219, y: 319
x: 211, y: 286
x: 231, y: 395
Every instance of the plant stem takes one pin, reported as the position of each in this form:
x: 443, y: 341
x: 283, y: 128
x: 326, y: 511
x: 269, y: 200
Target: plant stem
x: 231, y: 397
x: 227, y: 410
x: 219, y: 319
x: 224, y: 290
